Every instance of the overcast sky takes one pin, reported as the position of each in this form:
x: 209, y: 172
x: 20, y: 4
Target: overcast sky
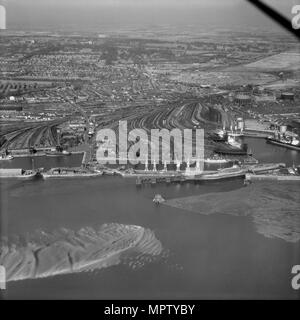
x: 48, y: 13
x: 282, y: 3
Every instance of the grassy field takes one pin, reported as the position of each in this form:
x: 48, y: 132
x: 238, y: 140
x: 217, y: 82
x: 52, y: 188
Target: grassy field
x: 284, y: 61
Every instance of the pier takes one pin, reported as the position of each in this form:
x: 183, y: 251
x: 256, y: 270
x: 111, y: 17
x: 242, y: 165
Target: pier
x: 190, y: 175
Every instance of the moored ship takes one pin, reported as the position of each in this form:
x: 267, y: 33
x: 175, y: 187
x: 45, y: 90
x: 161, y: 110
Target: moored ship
x: 263, y: 167
x: 232, y: 147
x: 230, y: 150
x: 290, y: 143
x: 70, y: 173
x: 18, y: 174
x: 233, y: 142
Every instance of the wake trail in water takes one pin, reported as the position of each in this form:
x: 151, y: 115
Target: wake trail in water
x: 66, y: 251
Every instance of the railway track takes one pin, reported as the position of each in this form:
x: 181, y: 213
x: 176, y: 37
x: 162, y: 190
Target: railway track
x: 40, y: 135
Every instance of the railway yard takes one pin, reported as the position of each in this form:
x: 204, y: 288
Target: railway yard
x: 61, y: 90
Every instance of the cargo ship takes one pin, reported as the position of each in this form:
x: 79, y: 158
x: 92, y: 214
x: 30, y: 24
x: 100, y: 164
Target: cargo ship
x: 230, y: 150
x: 290, y: 143
x: 19, y: 174
x: 264, y: 167
x: 232, y: 147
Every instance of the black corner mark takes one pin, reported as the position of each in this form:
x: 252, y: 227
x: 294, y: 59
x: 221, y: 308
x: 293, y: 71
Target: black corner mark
x: 276, y: 16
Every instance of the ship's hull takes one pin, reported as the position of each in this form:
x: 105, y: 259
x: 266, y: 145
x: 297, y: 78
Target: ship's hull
x: 236, y: 152
x: 20, y: 177
x: 68, y: 176
x: 221, y: 175
x: 260, y: 168
x: 218, y: 139
x: 283, y: 144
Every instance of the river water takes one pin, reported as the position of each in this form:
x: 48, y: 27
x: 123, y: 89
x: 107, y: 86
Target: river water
x: 45, y: 162
x: 211, y: 240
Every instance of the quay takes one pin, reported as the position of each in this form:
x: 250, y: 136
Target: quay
x: 271, y: 177
x: 191, y: 175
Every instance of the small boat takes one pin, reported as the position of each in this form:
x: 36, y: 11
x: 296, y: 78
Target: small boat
x: 158, y: 199
x: 6, y: 157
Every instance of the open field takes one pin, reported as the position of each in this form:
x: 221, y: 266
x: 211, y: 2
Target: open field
x: 284, y: 61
